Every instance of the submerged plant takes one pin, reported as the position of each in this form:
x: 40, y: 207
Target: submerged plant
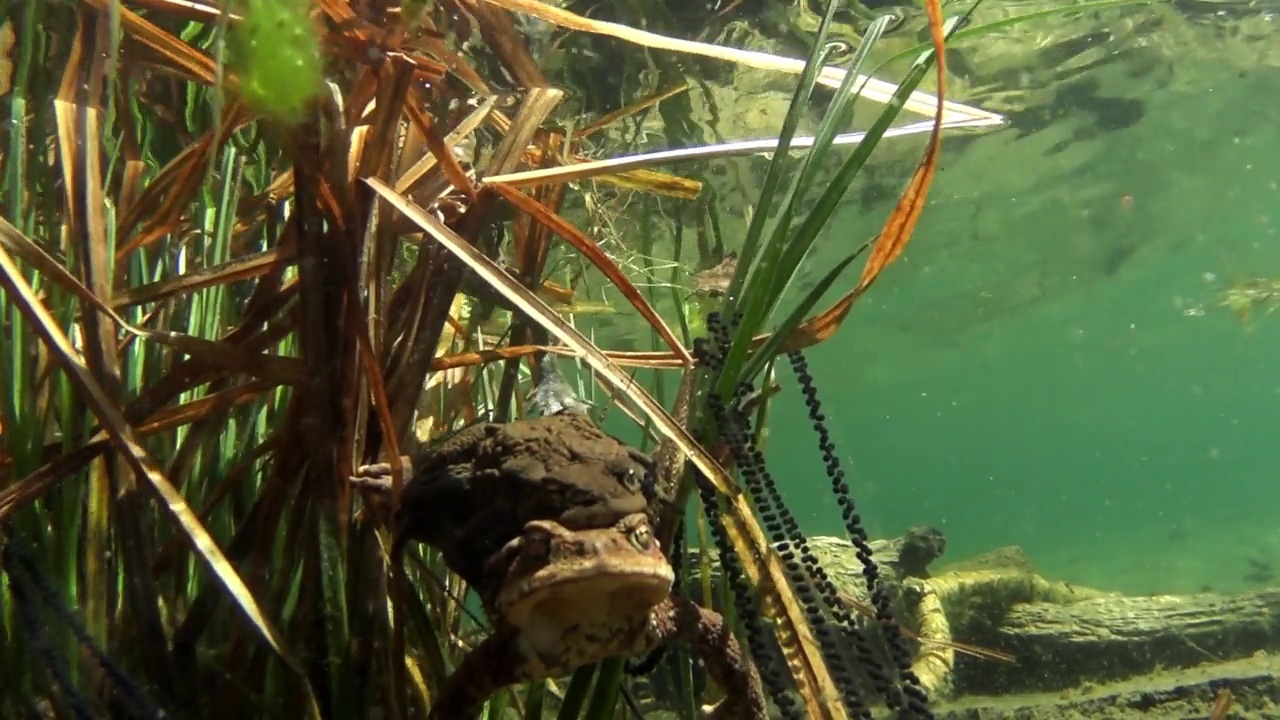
x: 207, y: 334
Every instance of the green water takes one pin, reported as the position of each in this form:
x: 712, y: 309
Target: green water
x: 1027, y: 375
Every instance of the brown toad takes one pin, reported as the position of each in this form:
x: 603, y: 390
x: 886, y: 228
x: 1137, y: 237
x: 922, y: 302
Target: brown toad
x: 472, y: 494
x: 560, y: 599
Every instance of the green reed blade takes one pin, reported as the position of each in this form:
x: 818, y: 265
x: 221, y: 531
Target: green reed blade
x: 496, y: 708
x: 576, y: 696
x: 777, y: 266
x: 535, y: 698
x: 799, y: 102
x: 772, y: 346
x: 835, y: 117
x: 783, y: 257
x: 605, y: 697
x: 829, y: 202
x: 333, y: 582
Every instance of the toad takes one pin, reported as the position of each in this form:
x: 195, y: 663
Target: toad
x: 472, y: 494
x: 478, y: 490
x: 567, y: 598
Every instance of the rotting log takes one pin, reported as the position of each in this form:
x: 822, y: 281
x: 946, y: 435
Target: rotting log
x: 1065, y: 637
x: 1062, y: 635
x: 1111, y: 638
x: 1253, y: 686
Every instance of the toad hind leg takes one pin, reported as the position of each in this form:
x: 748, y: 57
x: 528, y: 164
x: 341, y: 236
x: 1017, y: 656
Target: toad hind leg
x: 712, y: 638
x: 489, y: 667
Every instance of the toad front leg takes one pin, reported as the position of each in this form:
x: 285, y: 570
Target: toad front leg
x: 489, y: 667
x: 712, y: 638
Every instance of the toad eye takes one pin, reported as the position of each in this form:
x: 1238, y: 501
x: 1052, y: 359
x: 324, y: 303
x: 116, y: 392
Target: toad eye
x: 626, y: 475
x: 641, y: 538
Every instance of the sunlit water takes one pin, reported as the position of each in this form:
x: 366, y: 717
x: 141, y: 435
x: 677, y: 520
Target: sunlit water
x: 1045, y: 366
x: 1034, y: 372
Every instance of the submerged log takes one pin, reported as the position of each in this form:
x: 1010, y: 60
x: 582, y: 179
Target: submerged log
x: 1063, y: 636
x: 1110, y: 638
x: 1239, y: 689
x: 1080, y: 652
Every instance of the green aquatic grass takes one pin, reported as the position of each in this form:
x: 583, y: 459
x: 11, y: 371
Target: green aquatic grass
x: 770, y: 260
x: 71, y: 528
x: 769, y: 263
x: 224, y: 461
x: 779, y: 235
x: 29, y: 405
x: 578, y: 693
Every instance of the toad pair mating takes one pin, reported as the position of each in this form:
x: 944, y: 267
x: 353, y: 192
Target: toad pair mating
x: 548, y: 520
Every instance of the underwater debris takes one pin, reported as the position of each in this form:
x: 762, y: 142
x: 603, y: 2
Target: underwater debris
x: 1221, y: 705
x: 552, y: 394
x: 1244, y: 298
x: 1261, y: 571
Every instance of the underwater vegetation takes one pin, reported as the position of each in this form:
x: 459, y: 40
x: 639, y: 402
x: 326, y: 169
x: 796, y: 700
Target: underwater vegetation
x: 311, y: 395
x: 269, y: 238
